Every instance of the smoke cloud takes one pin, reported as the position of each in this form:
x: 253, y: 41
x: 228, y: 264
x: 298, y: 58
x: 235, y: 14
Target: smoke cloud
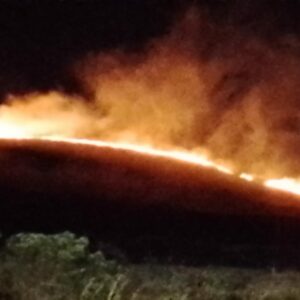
x: 202, y: 86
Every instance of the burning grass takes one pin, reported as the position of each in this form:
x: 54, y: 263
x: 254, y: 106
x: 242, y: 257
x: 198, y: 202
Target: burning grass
x: 133, y: 174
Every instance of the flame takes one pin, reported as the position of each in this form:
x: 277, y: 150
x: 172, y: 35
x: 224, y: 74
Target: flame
x: 284, y: 184
x: 17, y: 125
x: 18, y: 133
x: 185, y: 156
x: 169, y: 99
x: 15, y: 131
x: 247, y: 177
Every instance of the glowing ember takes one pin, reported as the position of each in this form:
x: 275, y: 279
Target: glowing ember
x: 247, y: 177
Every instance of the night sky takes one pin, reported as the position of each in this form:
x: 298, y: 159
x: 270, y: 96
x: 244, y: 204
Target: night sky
x: 41, y: 39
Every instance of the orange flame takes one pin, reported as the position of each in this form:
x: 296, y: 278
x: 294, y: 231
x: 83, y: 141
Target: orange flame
x: 46, y: 118
x: 15, y: 131
x: 168, y: 101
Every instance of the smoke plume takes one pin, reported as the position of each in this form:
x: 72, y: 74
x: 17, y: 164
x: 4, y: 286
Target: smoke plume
x: 232, y: 93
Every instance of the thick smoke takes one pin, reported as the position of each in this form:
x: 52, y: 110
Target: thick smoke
x: 202, y: 86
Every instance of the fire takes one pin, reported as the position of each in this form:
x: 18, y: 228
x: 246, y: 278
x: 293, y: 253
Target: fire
x: 284, y: 184
x: 46, y: 118
x: 185, y: 156
x: 15, y: 131
x: 21, y: 126
x: 220, y: 111
x: 247, y: 177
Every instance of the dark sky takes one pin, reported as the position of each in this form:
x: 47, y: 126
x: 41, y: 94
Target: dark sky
x: 39, y: 39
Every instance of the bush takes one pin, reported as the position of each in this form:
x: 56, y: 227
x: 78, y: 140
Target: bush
x: 37, y: 266
x: 59, y: 267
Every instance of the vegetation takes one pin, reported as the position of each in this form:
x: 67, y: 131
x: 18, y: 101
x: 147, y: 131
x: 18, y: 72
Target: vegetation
x: 58, y: 267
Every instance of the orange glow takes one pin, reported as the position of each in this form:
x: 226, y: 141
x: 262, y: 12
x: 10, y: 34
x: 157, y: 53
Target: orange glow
x: 19, y: 124
x: 14, y: 131
x: 185, y: 156
x: 284, y: 184
x: 14, y: 128
x: 168, y: 101
x: 246, y: 176
x: 163, y: 104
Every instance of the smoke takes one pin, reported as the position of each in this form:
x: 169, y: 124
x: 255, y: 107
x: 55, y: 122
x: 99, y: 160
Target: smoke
x: 222, y: 89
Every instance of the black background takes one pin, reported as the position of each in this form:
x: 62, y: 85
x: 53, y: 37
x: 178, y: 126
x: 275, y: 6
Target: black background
x: 40, y: 39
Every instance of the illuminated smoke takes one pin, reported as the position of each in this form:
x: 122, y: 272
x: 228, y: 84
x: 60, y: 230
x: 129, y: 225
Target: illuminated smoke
x: 201, y: 88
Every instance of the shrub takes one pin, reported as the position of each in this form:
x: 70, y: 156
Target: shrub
x: 37, y: 266
x: 61, y: 267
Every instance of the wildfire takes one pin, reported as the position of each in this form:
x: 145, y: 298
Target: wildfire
x: 15, y: 131
x: 168, y: 102
x: 19, y: 133
x: 285, y: 184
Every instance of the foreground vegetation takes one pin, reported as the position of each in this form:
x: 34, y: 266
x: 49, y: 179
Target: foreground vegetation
x: 58, y: 267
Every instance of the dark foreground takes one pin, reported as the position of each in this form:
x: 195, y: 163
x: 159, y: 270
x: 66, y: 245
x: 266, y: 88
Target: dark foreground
x: 136, y: 208
x: 60, y: 267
